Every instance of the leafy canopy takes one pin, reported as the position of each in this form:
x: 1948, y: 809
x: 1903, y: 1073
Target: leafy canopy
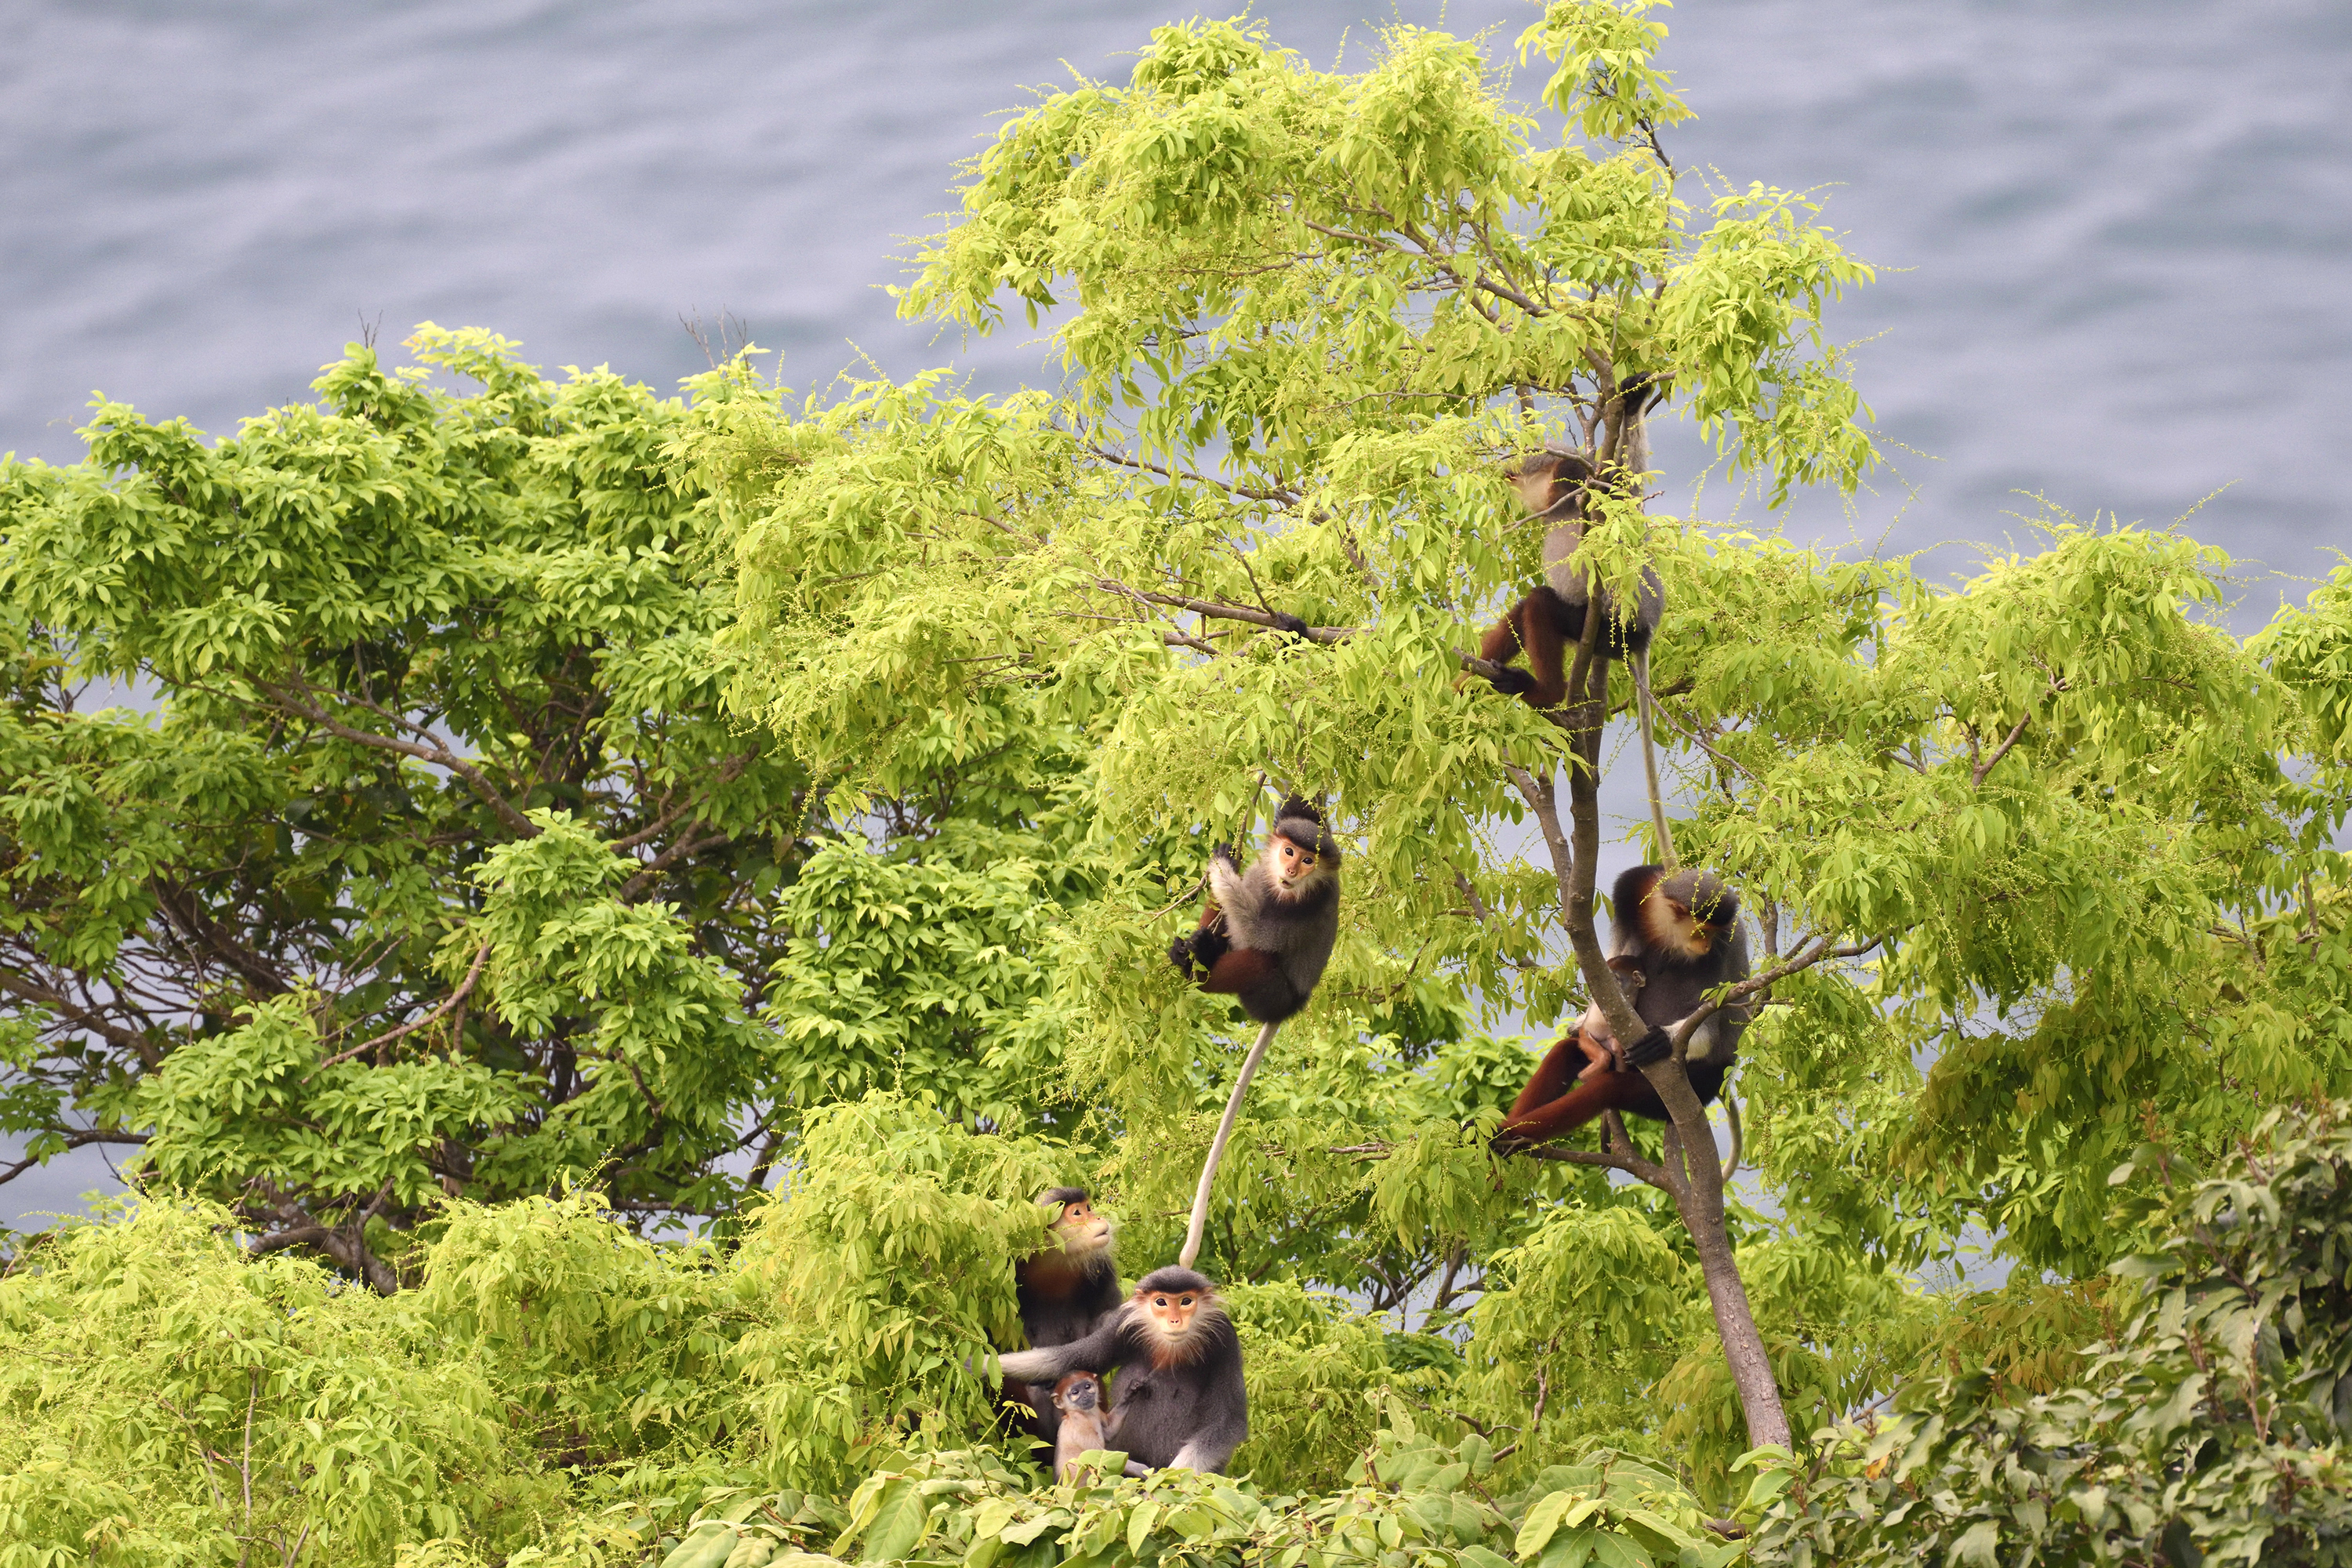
x: 547, y: 809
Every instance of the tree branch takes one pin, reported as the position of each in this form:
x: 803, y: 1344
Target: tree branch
x: 455, y: 999
x: 1277, y: 497
x: 636, y: 885
x: 82, y: 1017
x: 729, y: 772
x: 434, y: 752
x: 72, y: 1140
x: 1977, y: 773
x: 1821, y: 952
x: 1632, y: 1165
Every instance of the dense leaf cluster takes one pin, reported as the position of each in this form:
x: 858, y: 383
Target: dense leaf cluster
x: 2216, y: 1426
x: 458, y: 831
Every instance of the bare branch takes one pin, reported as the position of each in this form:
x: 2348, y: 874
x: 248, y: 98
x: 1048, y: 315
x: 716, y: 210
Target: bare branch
x: 1820, y: 951
x: 1504, y: 291
x: 430, y: 750
x: 636, y: 885
x: 72, y: 1140
x: 1977, y: 773
x: 1270, y: 619
x: 729, y: 772
x: 1632, y: 1165
x: 455, y: 999
x: 1276, y: 497
x: 82, y: 1017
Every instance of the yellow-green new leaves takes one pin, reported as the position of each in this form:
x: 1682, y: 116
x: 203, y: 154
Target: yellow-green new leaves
x: 1264, y: 258
x: 1605, y: 77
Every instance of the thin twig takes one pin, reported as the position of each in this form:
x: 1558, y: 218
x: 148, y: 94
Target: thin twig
x: 437, y: 754
x: 457, y: 997
x: 1279, y: 497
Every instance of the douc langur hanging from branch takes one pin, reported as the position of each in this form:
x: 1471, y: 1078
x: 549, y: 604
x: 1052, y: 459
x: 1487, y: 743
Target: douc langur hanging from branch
x: 1178, y: 1366
x: 1547, y: 622
x: 1264, y: 937
x: 1065, y: 1292
x: 1675, y: 938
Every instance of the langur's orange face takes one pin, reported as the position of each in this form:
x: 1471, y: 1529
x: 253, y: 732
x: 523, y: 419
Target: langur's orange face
x: 1292, y: 865
x: 1685, y: 931
x: 1172, y: 1311
x: 1081, y: 1229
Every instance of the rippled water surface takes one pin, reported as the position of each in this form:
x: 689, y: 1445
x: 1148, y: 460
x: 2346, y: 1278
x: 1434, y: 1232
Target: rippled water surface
x: 2113, y: 232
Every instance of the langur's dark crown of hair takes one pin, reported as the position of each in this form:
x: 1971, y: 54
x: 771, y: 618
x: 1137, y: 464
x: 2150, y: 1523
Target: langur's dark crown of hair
x: 1174, y: 1280
x: 1063, y: 1195
x: 1302, y: 825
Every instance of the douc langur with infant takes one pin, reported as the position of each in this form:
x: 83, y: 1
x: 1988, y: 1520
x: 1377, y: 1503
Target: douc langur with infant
x: 1674, y: 940
x: 1177, y: 1366
x: 1064, y: 1293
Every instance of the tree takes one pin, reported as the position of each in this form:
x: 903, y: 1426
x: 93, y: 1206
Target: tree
x: 2209, y: 1428
x: 2040, y: 862
x: 428, y: 861
x: 1306, y: 317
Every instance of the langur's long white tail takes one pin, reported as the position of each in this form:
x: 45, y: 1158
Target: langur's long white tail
x: 1217, y: 1147
x: 1667, y: 856
x: 1732, y: 1109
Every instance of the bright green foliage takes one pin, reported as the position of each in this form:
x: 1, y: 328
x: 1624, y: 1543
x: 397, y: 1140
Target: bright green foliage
x: 2029, y: 832
x: 162, y: 1399
x: 428, y: 861
x: 749, y: 789
x: 1436, y: 1504
x: 2214, y: 1428
x: 556, y: 1378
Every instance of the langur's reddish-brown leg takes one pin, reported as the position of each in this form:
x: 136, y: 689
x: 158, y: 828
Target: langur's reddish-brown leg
x: 1239, y: 969
x: 1501, y: 643
x: 1541, y: 1123
x: 1554, y: 1077
x: 1546, y: 648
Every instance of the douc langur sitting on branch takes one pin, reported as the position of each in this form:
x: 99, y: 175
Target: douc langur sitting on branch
x: 1674, y: 940
x: 1178, y: 1366
x: 1065, y: 1292
x: 1267, y: 930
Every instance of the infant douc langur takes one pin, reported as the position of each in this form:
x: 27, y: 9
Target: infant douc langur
x: 1675, y: 938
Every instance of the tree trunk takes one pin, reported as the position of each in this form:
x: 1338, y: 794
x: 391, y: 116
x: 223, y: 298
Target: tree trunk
x: 1694, y: 1179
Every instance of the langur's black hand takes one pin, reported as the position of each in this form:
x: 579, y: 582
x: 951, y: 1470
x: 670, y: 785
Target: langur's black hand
x: 1180, y: 953
x: 1290, y: 623
x: 1511, y: 682
x: 1653, y: 1047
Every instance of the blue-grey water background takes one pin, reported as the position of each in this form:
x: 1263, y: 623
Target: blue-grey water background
x: 2113, y: 231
